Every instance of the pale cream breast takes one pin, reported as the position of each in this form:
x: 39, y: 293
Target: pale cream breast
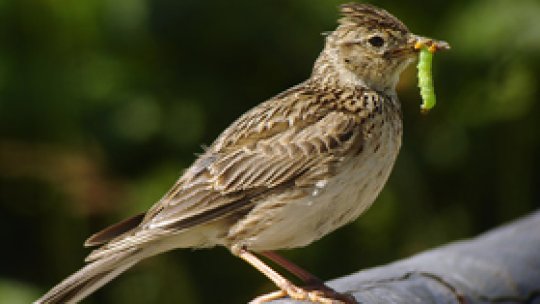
x: 298, y: 217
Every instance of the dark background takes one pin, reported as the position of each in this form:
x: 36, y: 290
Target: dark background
x: 104, y: 102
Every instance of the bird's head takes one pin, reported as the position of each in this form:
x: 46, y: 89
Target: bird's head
x: 371, y: 47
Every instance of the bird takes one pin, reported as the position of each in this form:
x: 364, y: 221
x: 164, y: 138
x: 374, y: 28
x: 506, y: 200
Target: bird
x: 286, y: 173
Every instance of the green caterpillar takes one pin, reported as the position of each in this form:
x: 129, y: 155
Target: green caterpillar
x: 425, y: 79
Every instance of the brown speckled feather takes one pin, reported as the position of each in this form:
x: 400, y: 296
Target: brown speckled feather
x: 295, y: 138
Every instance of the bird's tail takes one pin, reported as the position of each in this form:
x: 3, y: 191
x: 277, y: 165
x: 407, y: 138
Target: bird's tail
x: 91, y: 277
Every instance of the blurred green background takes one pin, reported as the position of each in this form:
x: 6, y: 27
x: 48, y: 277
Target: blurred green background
x: 104, y: 102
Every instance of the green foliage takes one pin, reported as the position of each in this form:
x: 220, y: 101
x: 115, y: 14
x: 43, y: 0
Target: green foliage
x: 103, y: 103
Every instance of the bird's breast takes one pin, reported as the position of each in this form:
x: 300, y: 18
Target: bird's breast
x: 359, y: 180
x: 298, y: 217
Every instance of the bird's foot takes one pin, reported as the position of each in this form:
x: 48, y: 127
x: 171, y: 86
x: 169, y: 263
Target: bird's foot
x: 321, y: 294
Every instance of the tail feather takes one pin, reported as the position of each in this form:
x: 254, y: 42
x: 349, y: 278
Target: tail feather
x: 91, y: 277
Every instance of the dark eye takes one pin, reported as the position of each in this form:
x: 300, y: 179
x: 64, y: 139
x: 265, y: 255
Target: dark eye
x: 376, y: 41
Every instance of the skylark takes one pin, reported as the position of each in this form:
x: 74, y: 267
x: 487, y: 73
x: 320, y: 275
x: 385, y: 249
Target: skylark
x: 286, y: 173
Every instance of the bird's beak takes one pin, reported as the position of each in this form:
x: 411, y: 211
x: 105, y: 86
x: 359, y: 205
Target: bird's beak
x: 418, y: 42
x: 415, y: 43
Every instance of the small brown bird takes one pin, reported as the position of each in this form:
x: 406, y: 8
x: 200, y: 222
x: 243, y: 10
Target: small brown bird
x: 286, y: 173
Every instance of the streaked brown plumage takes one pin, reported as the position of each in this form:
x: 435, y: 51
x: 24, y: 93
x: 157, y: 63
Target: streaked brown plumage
x: 287, y: 172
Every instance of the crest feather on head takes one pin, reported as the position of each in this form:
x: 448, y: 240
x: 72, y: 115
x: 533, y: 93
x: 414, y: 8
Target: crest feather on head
x: 366, y: 15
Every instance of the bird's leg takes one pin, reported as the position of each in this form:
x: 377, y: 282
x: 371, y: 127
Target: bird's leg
x: 312, y: 282
x: 286, y: 286
x: 304, y: 275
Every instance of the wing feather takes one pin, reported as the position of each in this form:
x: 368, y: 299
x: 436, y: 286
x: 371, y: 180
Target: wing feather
x: 267, y: 164
x: 274, y: 146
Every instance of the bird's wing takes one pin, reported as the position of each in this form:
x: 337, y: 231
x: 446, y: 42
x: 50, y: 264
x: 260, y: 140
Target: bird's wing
x: 293, y: 139
x: 235, y: 177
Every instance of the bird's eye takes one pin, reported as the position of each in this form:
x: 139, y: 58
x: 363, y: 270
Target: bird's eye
x: 376, y: 41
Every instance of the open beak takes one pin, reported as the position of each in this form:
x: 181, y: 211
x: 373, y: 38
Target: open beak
x: 418, y: 42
